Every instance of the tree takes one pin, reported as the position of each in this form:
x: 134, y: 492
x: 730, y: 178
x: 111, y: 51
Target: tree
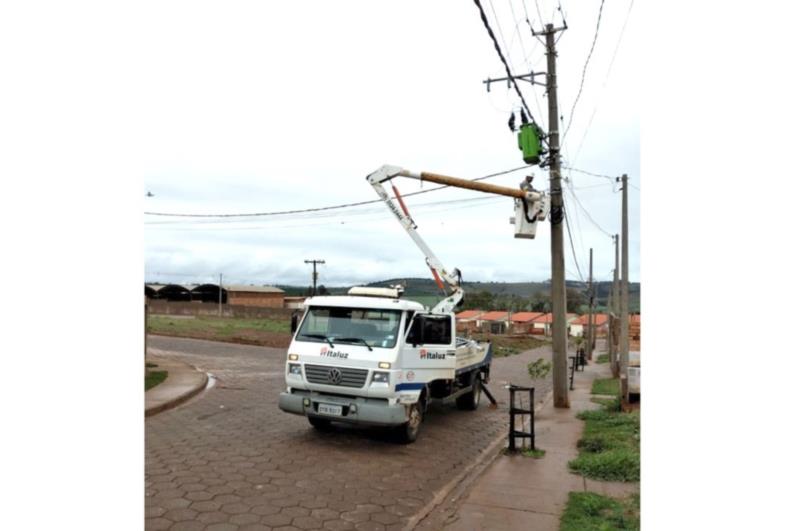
x: 540, y: 302
x: 321, y: 290
x: 575, y: 299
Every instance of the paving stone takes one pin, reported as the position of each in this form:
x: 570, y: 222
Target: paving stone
x: 231, y: 449
x: 188, y: 525
x: 275, y: 520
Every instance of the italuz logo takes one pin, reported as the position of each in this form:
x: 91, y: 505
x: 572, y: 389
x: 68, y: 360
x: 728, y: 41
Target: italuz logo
x: 329, y: 353
x: 425, y: 355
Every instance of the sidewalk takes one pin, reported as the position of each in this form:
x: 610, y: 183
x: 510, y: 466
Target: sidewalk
x: 182, y: 382
x: 517, y: 492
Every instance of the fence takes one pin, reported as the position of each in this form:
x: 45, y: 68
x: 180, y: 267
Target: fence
x: 211, y: 308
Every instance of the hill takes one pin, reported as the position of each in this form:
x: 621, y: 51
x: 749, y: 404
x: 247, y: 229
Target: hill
x: 506, y: 294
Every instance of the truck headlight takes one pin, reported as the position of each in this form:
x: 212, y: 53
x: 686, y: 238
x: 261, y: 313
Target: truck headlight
x: 295, y: 369
x: 381, y: 377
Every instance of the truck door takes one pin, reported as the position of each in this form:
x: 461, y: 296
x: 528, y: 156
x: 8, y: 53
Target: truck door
x: 429, y: 348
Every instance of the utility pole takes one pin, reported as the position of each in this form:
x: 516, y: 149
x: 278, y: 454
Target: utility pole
x: 220, y: 294
x: 624, y: 341
x: 616, y: 313
x: 315, y: 274
x: 561, y: 397
x: 591, y: 304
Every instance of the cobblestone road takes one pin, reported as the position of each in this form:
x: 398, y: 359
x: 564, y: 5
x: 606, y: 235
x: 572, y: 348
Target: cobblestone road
x: 229, y: 459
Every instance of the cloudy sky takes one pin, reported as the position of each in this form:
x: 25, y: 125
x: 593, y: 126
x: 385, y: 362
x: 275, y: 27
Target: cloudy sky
x: 267, y: 107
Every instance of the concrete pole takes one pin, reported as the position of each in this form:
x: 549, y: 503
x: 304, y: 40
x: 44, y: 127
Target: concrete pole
x: 315, y: 274
x: 616, y: 311
x: 625, y: 292
x: 561, y: 396
x: 220, y: 294
x: 590, y: 351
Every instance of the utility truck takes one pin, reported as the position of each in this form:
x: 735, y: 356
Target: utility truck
x: 374, y: 358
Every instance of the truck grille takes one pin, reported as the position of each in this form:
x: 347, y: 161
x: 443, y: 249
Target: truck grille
x: 320, y: 374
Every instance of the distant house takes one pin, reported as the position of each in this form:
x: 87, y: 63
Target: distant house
x: 580, y: 326
x: 260, y: 296
x: 495, y: 322
x: 544, y: 323
x: 522, y: 322
x: 468, y: 320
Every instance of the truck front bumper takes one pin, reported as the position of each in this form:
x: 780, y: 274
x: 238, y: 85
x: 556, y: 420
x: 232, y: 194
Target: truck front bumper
x: 355, y: 410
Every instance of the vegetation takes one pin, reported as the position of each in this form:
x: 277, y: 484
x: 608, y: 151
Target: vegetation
x: 610, y: 446
x: 535, y: 453
x: 504, y: 346
x: 587, y: 510
x: 518, y: 296
x: 153, y: 378
x: 272, y: 331
x: 539, y: 369
x: 220, y: 327
x: 603, y: 358
x: 606, y: 386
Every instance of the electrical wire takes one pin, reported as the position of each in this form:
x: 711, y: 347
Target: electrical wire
x: 569, y: 187
x: 526, y: 59
x: 574, y: 256
x: 612, y: 179
x: 503, y: 60
x: 332, y: 207
x: 478, y: 201
x: 605, y: 81
x: 583, y: 76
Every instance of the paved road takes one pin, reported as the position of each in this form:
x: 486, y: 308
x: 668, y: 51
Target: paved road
x: 229, y: 459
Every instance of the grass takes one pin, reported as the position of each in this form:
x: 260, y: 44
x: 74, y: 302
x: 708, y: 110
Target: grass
x: 153, y: 378
x: 268, y: 331
x: 603, y: 358
x: 606, y: 386
x: 221, y: 326
x: 587, y: 510
x: 535, y: 453
x: 610, y: 446
x: 504, y: 346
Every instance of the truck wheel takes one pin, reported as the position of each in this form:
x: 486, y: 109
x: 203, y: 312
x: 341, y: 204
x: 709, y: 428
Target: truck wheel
x: 407, y: 433
x: 320, y: 424
x: 470, y: 401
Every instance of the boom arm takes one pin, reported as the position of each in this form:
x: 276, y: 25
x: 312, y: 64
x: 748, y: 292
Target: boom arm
x: 440, y: 274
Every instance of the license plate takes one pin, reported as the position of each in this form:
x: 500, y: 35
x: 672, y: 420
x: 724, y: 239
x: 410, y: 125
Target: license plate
x: 329, y: 409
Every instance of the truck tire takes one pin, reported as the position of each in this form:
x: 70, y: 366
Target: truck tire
x: 407, y: 433
x: 470, y: 401
x: 320, y: 424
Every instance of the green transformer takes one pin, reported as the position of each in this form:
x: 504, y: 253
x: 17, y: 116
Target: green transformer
x: 529, y: 142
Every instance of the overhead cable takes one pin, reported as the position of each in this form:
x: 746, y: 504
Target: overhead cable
x: 332, y: 207
x: 503, y: 60
x: 583, y: 76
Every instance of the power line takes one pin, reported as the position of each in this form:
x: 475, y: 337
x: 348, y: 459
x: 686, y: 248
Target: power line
x: 526, y: 56
x: 574, y: 256
x: 209, y: 224
x: 613, y: 179
x: 605, y: 81
x: 583, y: 76
x: 333, y: 207
x: 501, y: 56
x: 569, y: 187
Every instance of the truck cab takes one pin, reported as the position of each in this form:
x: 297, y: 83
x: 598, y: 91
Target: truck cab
x: 375, y: 359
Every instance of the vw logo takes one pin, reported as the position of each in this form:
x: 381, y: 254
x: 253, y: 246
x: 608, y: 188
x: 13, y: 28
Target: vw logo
x: 334, y: 376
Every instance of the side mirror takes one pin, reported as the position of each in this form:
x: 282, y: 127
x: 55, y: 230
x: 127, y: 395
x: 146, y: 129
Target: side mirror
x: 295, y: 322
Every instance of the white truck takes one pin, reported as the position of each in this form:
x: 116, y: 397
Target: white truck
x: 373, y: 358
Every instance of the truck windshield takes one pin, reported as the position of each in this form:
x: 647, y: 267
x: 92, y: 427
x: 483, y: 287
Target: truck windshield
x: 377, y: 328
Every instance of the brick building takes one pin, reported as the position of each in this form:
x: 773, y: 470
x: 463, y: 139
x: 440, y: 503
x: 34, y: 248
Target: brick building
x: 260, y: 296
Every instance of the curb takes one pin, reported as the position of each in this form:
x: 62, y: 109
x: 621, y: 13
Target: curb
x: 458, y: 485
x: 176, y: 398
